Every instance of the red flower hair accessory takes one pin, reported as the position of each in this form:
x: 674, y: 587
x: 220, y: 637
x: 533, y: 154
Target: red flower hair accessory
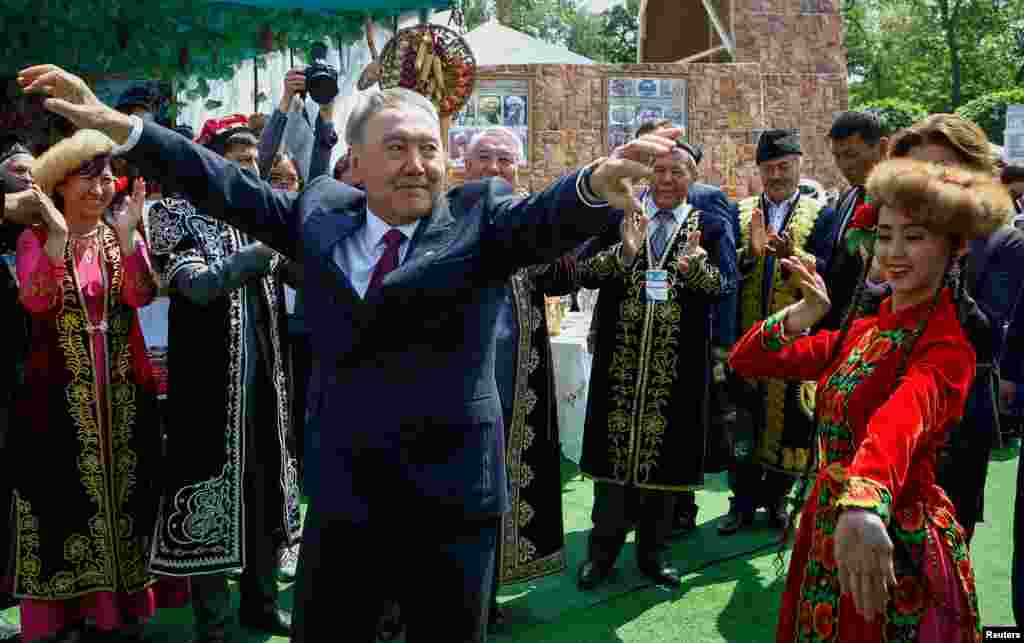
x: 217, y: 126
x: 863, y: 226
x: 121, y: 184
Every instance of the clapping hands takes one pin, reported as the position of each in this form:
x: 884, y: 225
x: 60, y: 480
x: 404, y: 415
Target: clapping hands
x: 763, y: 241
x: 691, y: 251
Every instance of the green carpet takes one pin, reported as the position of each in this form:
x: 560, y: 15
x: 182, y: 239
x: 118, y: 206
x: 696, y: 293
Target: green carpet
x: 730, y: 592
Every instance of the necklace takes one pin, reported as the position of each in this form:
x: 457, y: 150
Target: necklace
x: 85, y: 245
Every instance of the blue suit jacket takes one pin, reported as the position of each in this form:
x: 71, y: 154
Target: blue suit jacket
x: 403, y: 412
x: 712, y: 200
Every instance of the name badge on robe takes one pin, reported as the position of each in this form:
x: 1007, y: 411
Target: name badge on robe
x: 656, y: 285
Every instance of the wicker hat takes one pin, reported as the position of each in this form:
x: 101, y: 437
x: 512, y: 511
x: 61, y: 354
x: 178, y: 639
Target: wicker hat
x: 50, y: 169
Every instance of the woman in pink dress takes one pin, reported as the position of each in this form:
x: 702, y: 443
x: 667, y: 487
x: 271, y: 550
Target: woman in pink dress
x: 83, y: 522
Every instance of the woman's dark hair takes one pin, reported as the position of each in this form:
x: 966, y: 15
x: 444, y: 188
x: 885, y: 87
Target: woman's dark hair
x: 963, y: 137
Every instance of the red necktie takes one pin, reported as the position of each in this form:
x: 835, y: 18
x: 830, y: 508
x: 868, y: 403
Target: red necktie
x: 389, y: 260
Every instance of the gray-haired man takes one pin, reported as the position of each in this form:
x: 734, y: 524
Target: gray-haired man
x: 403, y: 283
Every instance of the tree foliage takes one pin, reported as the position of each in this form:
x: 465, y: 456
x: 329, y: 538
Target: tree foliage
x: 939, y: 53
x: 989, y: 111
x: 160, y: 39
x: 894, y: 113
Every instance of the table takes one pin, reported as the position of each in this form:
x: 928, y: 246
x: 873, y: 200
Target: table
x: 571, y: 363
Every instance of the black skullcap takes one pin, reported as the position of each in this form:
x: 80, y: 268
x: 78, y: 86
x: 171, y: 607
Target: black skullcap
x: 692, y: 149
x: 776, y: 143
x: 12, y: 146
x: 135, y: 96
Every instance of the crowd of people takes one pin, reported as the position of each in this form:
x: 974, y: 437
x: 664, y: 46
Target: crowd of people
x: 373, y: 339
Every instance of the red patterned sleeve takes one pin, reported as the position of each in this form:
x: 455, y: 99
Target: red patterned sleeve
x: 765, y: 351
x: 41, y: 282
x: 140, y: 284
x: 931, y: 395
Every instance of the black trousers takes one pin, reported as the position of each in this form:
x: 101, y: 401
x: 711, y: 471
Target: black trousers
x: 755, y: 486
x: 618, y: 509
x: 455, y: 557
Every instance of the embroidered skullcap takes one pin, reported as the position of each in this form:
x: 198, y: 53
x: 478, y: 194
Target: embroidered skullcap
x: 68, y: 156
x: 776, y: 143
x: 695, y: 151
x: 217, y: 131
x: 10, y: 147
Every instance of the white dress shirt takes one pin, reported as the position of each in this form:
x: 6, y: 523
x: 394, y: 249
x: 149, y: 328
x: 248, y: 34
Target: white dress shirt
x: 679, y: 216
x: 357, y: 256
x: 777, y: 211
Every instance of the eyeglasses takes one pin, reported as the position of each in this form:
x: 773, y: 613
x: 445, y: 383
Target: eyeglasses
x: 284, y: 180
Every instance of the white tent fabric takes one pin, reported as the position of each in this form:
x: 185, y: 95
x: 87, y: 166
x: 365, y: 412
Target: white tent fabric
x: 495, y: 44
x: 236, y: 95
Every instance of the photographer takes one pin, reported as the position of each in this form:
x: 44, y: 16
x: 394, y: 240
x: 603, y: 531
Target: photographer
x: 324, y: 137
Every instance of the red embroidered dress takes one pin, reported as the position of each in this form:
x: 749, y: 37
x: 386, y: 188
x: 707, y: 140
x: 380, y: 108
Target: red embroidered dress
x: 83, y: 522
x: 878, y: 445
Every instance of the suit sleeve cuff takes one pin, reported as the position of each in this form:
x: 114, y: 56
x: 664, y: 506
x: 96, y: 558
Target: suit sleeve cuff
x: 133, y: 138
x: 583, y: 191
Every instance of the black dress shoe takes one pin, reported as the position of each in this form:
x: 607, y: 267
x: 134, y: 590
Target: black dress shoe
x: 591, y: 575
x: 735, y: 521
x: 273, y: 621
x: 496, y: 621
x: 389, y: 625
x: 683, y: 525
x: 661, y: 572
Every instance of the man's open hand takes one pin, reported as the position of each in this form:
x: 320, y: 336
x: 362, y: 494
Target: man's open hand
x: 71, y: 98
x: 613, y: 179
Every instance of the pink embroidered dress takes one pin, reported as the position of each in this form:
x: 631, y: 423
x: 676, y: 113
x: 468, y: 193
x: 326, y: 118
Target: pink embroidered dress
x: 84, y: 520
x: 877, y: 446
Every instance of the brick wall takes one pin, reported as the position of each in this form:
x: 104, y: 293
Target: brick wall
x: 728, y: 105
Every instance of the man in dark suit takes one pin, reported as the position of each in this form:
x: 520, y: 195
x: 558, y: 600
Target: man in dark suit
x: 858, y: 145
x: 403, y: 286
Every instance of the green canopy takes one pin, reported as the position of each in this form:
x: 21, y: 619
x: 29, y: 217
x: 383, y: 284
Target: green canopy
x: 169, y: 39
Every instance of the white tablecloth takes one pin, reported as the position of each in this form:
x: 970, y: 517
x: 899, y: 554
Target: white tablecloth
x: 572, y: 377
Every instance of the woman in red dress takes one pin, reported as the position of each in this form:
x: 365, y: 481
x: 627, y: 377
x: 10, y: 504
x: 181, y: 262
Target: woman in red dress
x: 879, y: 555
x: 83, y: 522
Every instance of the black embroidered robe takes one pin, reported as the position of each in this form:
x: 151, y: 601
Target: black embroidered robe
x: 228, y: 394
x: 647, y: 407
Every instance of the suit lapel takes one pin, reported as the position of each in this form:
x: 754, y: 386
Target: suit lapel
x: 431, y: 239
x: 328, y: 230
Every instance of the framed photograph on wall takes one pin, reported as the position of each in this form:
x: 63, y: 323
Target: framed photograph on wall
x: 649, y: 99
x: 497, y: 102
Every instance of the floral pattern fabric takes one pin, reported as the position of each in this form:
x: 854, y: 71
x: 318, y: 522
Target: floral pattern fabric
x: 877, y: 447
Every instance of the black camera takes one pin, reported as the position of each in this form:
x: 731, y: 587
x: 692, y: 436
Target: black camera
x: 321, y: 77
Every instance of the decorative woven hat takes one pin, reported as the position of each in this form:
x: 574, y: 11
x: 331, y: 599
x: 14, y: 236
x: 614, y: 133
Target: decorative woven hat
x: 67, y: 156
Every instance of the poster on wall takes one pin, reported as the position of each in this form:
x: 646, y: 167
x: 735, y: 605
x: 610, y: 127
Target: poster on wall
x: 495, y: 103
x: 631, y: 101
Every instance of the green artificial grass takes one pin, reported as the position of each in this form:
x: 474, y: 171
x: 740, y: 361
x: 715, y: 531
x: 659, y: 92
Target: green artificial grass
x: 730, y: 593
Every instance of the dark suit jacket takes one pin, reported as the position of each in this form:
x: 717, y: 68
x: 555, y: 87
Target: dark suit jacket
x: 844, y: 268
x: 404, y: 416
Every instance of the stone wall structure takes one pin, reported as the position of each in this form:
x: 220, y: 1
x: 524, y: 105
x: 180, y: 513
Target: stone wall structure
x: 789, y: 71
